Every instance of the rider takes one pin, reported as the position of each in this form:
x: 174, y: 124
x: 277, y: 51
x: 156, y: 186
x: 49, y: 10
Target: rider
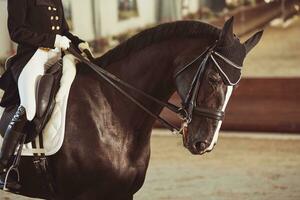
x: 41, y: 31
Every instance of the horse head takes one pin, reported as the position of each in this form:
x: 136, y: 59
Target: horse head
x: 206, y: 85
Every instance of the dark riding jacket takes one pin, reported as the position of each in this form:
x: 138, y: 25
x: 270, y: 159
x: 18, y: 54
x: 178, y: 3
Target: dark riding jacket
x: 31, y: 24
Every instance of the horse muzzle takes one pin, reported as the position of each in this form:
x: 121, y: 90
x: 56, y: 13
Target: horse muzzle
x: 199, y: 147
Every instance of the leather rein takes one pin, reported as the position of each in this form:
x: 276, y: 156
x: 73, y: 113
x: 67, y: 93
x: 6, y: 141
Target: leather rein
x: 188, y: 105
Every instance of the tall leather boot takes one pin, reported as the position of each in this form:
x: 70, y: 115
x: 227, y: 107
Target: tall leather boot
x: 11, y: 140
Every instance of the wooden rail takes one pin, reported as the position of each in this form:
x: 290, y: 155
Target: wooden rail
x: 265, y: 105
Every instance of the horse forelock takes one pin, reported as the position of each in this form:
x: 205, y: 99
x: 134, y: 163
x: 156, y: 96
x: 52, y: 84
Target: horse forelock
x: 162, y: 32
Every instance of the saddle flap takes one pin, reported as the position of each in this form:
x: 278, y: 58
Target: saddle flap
x: 53, y: 130
x: 43, y: 94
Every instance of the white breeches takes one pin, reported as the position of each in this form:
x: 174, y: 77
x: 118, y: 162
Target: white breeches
x: 35, y: 68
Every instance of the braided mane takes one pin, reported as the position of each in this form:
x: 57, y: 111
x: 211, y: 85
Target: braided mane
x: 191, y: 29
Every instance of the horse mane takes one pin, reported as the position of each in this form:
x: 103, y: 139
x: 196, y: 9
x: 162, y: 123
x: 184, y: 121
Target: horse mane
x: 191, y: 29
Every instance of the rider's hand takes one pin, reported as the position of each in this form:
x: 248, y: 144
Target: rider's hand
x: 62, y: 42
x: 85, y: 46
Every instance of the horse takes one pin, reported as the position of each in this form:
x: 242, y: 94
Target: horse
x: 106, y: 150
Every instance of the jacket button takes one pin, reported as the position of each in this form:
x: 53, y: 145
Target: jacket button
x: 52, y: 18
x: 49, y: 8
x: 54, y: 9
x: 53, y: 28
x: 56, y: 17
x: 57, y: 28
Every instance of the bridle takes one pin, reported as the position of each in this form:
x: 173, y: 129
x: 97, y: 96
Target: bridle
x: 189, y: 107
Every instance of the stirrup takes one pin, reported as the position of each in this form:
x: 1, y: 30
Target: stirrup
x: 15, y: 166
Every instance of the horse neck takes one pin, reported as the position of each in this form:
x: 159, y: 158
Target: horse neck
x: 150, y: 70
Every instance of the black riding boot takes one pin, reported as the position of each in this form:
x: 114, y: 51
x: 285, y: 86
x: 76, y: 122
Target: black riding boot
x: 11, y: 140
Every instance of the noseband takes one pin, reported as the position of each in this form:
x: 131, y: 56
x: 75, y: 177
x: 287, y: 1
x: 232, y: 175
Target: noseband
x: 189, y: 106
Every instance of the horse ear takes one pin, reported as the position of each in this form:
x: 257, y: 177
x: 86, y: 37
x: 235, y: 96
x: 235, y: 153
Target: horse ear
x: 253, y: 40
x: 227, y: 31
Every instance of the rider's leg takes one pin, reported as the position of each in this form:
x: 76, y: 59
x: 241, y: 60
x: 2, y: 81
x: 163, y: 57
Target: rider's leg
x: 26, y: 85
x: 27, y: 82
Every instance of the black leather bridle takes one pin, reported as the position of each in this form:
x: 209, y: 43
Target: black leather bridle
x: 189, y: 106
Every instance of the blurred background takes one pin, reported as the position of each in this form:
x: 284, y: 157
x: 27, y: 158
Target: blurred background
x: 258, y: 154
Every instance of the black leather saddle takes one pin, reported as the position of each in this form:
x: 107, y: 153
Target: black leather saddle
x: 46, y: 89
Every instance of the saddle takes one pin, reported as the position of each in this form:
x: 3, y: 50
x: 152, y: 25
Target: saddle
x: 46, y: 89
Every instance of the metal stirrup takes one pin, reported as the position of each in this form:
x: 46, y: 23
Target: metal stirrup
x: 15, y: 166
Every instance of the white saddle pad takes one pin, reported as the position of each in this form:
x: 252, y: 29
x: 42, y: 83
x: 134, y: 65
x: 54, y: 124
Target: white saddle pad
x: 53, y: 133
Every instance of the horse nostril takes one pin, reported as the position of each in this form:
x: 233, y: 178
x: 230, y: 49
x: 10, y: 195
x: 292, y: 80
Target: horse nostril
x: 200, y: 146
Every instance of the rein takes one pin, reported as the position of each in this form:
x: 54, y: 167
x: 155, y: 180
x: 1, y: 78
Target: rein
x: 111, y: 79
x: 188, y: 106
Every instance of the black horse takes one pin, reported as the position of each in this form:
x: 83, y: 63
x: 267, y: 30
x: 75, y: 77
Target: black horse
x: 106, y: 149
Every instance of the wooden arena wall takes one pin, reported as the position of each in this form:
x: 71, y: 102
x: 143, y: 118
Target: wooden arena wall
x: 260, y: 104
